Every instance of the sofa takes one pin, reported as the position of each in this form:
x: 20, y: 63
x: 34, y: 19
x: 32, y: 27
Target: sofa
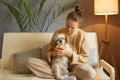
x: 20, y: 44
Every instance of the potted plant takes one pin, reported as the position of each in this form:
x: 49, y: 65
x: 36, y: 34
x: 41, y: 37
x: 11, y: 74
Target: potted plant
x: 37, y: 19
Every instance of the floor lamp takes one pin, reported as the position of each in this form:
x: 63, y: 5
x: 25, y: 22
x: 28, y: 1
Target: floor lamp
x: 107, y: 7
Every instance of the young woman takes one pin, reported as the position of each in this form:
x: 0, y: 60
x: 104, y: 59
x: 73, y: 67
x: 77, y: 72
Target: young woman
x: 79, y: 66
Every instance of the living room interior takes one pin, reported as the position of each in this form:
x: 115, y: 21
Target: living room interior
x: 51, y: 15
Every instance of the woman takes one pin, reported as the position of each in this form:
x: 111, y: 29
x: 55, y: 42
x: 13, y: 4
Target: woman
x: 79, y: 56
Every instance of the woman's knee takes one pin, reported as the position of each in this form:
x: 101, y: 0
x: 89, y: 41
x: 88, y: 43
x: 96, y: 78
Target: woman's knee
x: 91, y: 73
x: 84, y: 71
x: 30, y: 61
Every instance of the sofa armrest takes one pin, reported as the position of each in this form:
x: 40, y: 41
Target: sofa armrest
x: 108, y: 68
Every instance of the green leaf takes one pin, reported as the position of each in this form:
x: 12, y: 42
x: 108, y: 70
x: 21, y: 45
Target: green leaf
x: 37, y: 19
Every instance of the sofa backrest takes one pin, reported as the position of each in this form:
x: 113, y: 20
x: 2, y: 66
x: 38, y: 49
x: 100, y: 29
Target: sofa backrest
x: 93, y: 45
x: 18, y: 42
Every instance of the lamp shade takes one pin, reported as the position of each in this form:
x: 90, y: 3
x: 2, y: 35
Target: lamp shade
x: 105, y: 7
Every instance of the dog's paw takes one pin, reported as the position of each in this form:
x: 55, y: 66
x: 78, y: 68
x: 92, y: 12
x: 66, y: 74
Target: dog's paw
x: 67, y: 77
x: 59, y: 78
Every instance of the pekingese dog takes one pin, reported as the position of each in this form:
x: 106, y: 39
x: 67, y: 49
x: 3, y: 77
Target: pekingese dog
x: 60, y: 65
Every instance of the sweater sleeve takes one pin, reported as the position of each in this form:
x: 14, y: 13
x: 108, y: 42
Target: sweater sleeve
x: 82, y: 55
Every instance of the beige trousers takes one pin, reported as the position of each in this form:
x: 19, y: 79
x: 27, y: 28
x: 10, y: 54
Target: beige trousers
x: 42, y: 69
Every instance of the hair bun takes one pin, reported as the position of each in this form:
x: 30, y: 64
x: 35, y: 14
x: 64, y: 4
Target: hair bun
x: 77, y: 9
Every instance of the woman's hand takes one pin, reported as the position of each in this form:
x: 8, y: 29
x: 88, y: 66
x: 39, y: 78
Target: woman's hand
x: 60, y: 50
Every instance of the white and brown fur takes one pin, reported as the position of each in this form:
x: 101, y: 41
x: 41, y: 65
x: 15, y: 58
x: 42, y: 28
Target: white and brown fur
x: 60, y: 65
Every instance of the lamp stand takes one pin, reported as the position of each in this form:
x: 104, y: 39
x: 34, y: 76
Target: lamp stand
x: 107, y: 43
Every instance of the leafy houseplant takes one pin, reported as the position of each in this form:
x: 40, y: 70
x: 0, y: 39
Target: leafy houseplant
x: 37, y: 19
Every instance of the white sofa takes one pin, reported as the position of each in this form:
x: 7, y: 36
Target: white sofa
x: 17, y: 42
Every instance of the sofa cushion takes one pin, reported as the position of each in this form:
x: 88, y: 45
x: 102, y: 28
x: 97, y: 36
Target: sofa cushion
x: 100, y: 75
x: 93, y: 58
x: 20, y: 60
x: 93, y: 46
x: 43, y: 52
x: 7, y: 75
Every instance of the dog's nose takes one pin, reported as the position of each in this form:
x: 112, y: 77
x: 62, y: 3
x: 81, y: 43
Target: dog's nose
x: 60, y: 41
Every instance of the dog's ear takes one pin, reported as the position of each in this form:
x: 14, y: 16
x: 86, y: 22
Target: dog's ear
x: 66, y: 38
x: 53, y: 43
x: 49, y: 57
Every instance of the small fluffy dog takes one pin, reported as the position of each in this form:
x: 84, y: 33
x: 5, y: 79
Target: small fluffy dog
x: 60, y: 65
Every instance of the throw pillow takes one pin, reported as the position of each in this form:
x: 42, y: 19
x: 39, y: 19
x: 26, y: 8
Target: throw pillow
x: 20, y: 60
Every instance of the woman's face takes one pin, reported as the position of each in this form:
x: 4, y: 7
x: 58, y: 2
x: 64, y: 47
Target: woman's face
x: 71, y: 26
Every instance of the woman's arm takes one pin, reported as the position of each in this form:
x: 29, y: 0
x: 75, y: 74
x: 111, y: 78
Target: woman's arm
x: 82, y: 55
